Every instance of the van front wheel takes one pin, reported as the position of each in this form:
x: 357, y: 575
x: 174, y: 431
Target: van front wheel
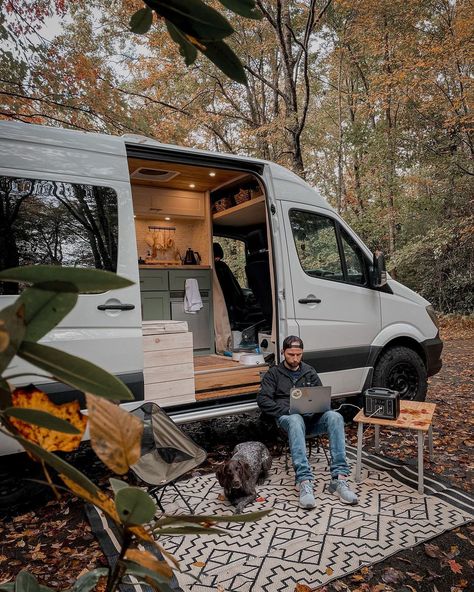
x: 402, y: 369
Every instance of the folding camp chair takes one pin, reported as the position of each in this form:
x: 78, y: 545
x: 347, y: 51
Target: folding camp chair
x: 167, y: 453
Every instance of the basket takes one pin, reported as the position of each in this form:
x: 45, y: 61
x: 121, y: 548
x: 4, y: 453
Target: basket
x: 222, y: 204
x: 241, y: 196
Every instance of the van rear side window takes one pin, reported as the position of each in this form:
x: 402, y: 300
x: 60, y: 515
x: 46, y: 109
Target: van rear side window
x: 56, y: 223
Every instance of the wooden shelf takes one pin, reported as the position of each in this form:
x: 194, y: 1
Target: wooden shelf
x: 247, y: 213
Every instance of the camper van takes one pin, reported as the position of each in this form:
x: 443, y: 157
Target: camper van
x: 228, y: 255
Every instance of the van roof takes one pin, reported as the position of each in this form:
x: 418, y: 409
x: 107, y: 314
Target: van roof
x: 117, y: 145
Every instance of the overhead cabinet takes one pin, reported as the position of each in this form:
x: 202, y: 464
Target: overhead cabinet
x: 153, y: 201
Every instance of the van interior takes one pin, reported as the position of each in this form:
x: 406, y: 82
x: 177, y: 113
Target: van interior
x: 208, y: 225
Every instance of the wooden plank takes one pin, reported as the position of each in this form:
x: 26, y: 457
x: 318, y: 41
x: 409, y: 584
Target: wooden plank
x: 229, y: 378
x: 230, y: 392
x: 212, y: 362
x: 170, y: 401
x: 173, y: 388
x: 169, y: 341
x: 167, y: 373
x: 153, y: 359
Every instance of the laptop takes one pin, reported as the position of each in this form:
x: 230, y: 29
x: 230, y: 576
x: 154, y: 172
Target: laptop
x: 310, y: 399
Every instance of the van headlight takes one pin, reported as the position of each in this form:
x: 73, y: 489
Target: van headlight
x: 431, y: 313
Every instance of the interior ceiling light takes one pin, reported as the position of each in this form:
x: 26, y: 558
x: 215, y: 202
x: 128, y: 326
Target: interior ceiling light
x: 167, y: 218
x: 212, y: 174
x: 192, y: 185
x: 153, y: 174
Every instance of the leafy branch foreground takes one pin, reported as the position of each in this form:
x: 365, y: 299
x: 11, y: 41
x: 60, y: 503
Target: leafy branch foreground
x: 41, y: 427
x: 194, y: 26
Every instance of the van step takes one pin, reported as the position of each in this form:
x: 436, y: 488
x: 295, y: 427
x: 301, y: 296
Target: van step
x: 228, y: 392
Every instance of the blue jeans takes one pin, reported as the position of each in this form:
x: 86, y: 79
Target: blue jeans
x: 298, y: 426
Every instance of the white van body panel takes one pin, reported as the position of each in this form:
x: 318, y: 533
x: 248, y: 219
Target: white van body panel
x: 409, y: 306
x: 42, y: 153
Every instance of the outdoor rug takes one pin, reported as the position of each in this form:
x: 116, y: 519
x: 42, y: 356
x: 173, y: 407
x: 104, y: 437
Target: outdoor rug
x: 311, y: 547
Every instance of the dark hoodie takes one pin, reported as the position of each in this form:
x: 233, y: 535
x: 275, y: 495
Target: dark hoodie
x: 274, y: 396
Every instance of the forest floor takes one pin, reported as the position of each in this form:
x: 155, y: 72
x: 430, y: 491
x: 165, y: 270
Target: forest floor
x: 52, y: 539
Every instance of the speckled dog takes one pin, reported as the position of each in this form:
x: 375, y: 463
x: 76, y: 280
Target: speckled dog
x: 239, y: 476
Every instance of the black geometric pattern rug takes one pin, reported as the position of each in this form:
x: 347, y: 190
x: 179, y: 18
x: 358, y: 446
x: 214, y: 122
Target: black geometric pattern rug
x: 311, y: 547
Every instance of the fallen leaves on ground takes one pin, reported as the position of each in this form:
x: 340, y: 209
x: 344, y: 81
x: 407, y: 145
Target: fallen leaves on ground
x: 59, y: 529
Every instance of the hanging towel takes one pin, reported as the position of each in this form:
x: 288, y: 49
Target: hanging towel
x: 192, y: 297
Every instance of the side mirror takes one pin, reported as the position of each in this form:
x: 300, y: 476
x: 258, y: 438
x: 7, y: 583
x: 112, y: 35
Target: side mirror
x: 379, y: 272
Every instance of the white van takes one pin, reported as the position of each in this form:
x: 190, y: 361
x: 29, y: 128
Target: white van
x: 151, y: 213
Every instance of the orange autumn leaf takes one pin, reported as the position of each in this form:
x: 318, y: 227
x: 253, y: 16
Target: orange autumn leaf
x: 32, y: 398
x: 148, y: 560
x: 101, y: 499
x: 455, y: 566
x: 302, y: 588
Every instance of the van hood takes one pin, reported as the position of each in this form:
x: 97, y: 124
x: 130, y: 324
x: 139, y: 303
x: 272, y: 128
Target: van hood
x: 404, y: 292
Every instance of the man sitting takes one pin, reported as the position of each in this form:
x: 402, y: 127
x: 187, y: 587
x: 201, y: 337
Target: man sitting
x: 274, y: 400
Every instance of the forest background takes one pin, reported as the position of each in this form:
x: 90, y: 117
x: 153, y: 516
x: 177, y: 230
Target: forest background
x: 369, y: 100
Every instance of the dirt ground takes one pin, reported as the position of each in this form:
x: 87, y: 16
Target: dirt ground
x: 52, y: 539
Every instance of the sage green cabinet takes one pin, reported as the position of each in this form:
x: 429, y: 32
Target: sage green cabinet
x: 162, y: 298
x: 155, y: 305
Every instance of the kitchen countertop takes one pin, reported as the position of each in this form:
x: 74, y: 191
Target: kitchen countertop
x: 158, y: 266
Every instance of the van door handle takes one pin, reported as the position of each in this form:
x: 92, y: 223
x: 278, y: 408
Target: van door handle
x: 116, y: 306
x: 309, y: 300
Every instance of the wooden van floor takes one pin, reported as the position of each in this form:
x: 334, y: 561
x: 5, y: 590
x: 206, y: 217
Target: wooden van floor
x: 219, y: 376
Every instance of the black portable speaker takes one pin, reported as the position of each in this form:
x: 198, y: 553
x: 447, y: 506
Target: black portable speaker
x: 382, y: 402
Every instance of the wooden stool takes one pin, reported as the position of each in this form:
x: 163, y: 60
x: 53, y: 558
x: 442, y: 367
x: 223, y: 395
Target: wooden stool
x: 414, y: 415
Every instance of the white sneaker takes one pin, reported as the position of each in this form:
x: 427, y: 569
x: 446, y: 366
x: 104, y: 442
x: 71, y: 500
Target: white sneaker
x: 307, y: 500
x: 340, y: 487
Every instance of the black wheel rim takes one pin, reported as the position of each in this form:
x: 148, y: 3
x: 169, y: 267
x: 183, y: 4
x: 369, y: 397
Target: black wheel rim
x: 403, y: 378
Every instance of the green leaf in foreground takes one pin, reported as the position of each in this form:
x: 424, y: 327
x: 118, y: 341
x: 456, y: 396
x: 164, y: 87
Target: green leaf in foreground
x: 25, y: 582
x: 243, y: 7
x: 42, y: 419
x: 134, y: 505
x: 141, y: 21
x: 44, y: 309
x: 12, y: 321
x: 86, y: 281
x: 88, y: 581
x: 225, y: 59
x: 194, y: 18
x: 160, y: 582
x: 76, y: 372
x: 117, y: 484
x: 186, y: 49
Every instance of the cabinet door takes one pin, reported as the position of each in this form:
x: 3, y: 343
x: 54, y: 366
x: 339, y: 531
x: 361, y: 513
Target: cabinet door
x: 153, y: 279
x: 155, y: 306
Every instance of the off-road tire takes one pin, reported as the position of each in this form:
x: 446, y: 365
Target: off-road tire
x: 402, y: 369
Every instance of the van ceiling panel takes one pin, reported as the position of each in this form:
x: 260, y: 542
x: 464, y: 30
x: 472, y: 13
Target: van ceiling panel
x: 185, y: 175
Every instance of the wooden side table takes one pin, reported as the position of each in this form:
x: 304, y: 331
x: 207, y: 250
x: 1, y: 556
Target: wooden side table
x: 414, y: 415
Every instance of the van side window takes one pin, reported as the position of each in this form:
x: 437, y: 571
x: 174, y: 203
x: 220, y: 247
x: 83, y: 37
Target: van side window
x: 356, y: 273
x: 56, y: 223
x: 316, y: 245
x: 318, y: 250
